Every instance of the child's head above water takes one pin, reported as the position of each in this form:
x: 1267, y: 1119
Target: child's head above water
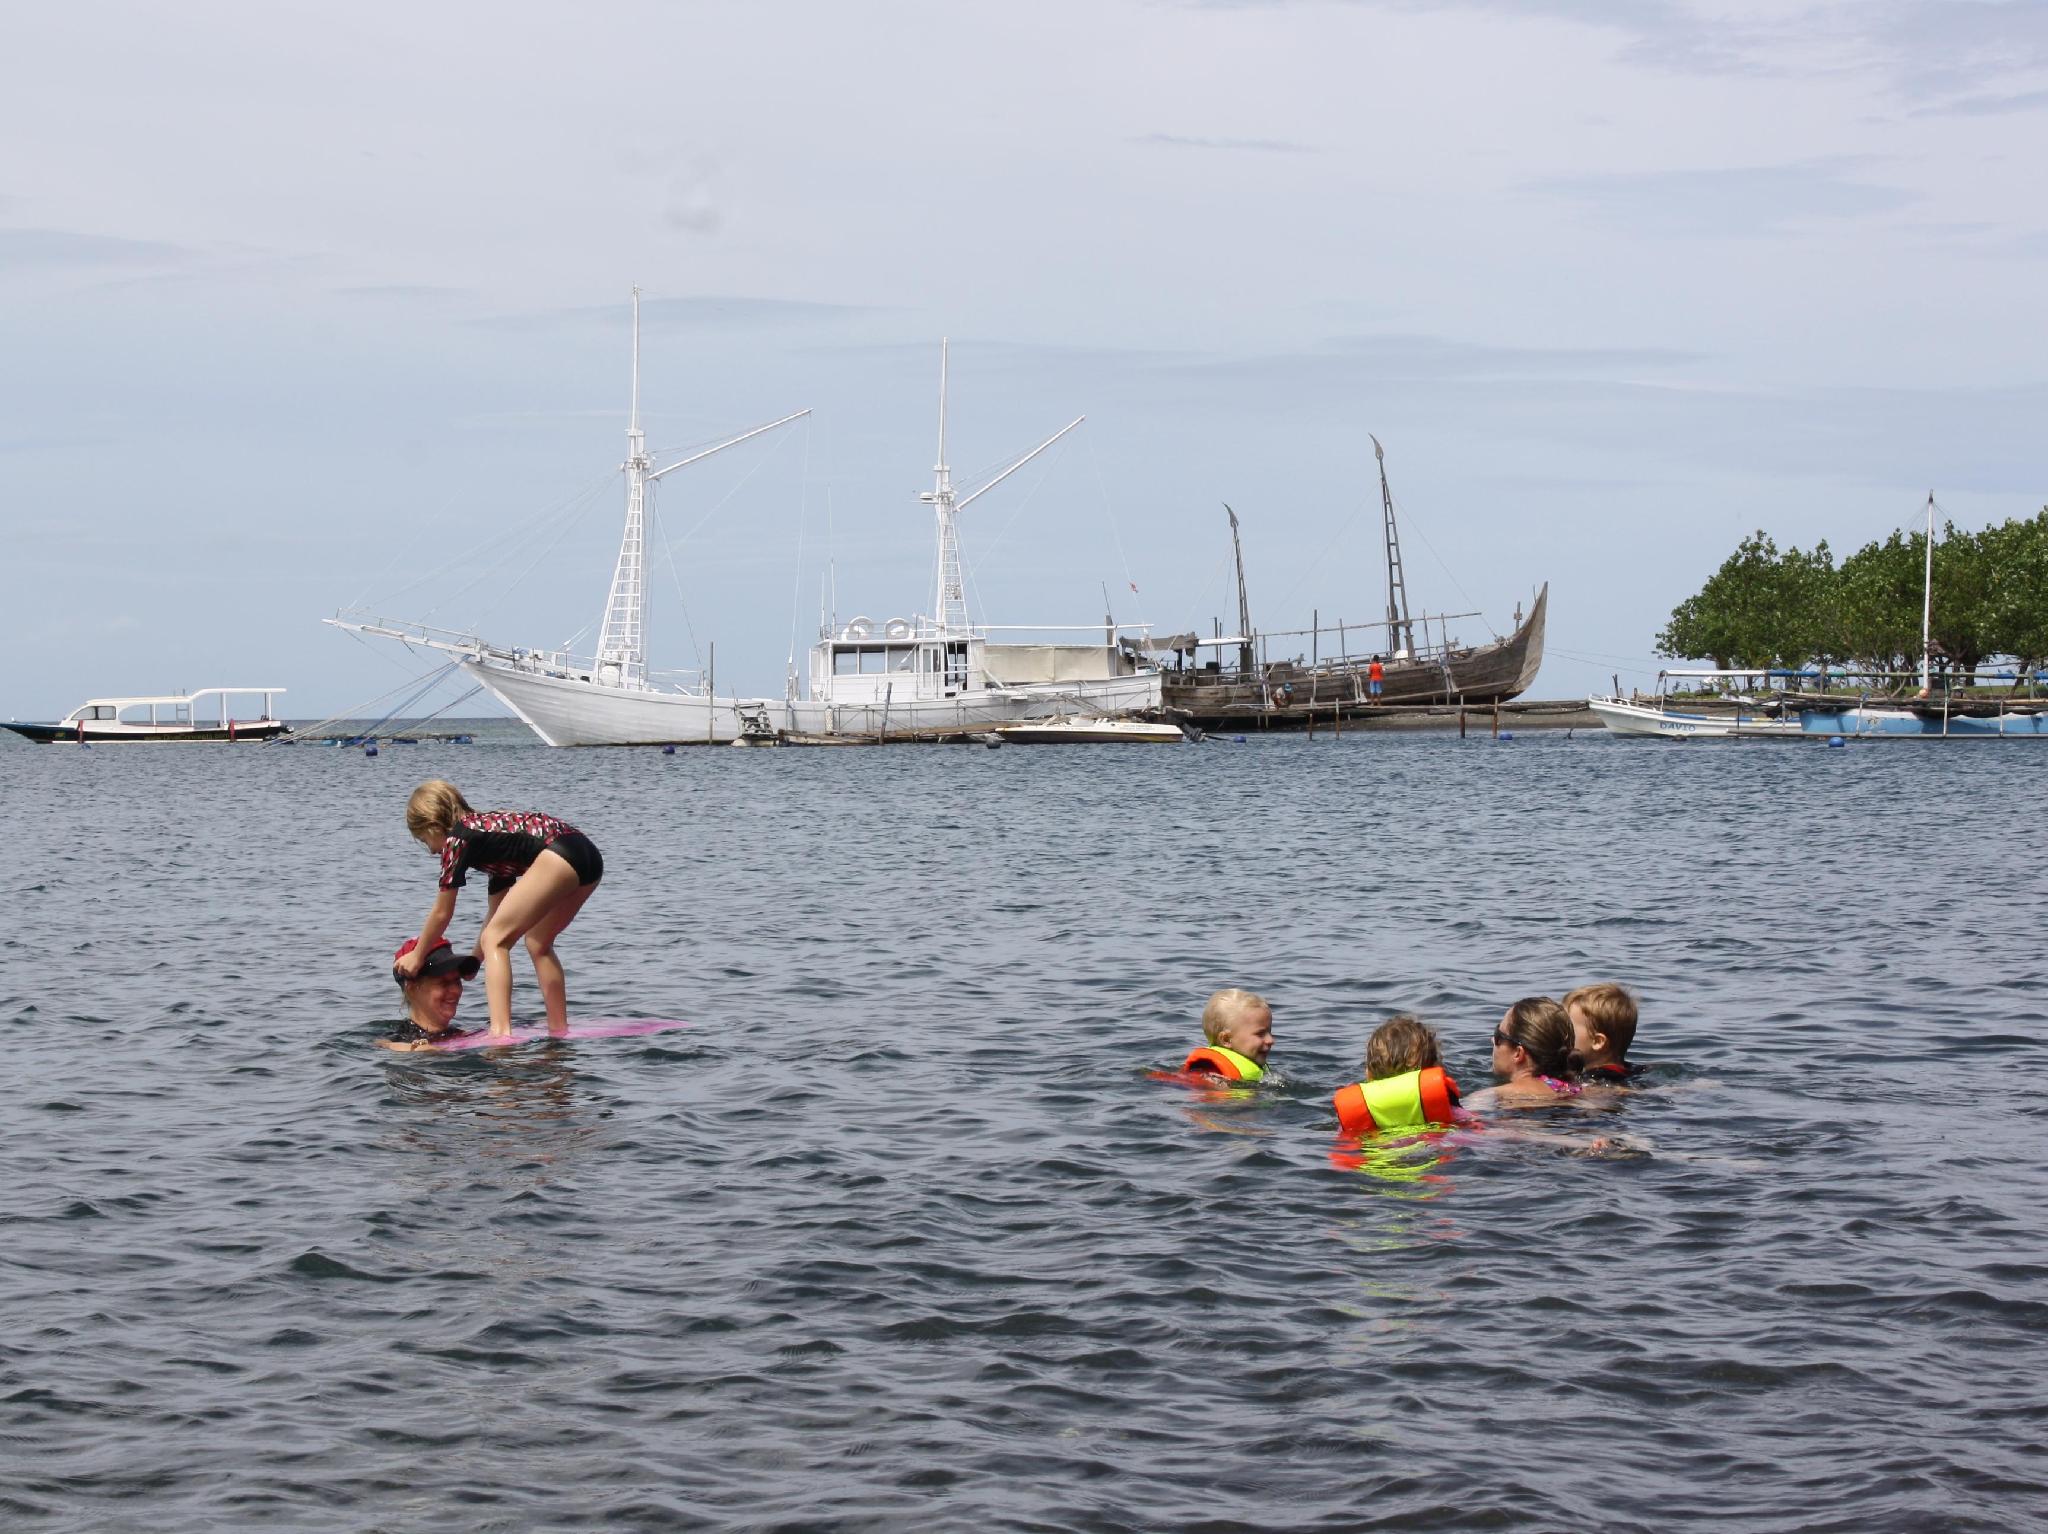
x: 434, y: 806
x: 1399, y: 1045
x: 1239, y: 1021
x: 1603, y: 1023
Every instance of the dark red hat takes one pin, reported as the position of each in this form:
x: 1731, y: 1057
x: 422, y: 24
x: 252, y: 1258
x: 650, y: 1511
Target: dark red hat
x: 441, y: 960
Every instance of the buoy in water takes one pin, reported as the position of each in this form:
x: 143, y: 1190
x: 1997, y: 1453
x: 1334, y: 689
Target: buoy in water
x: 1507, y: 735
x: 369, y: 750
x: 669, y: 750
x: 1836, y: 740
x: 1237, y: 739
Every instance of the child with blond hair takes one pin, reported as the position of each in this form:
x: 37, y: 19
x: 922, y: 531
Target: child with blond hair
x: 1238, y: 1026
x: 541, y: 870
x: 1603, y: 1026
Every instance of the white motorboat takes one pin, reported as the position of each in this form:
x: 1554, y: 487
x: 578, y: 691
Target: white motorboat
x: 1629, y: 718
x: 166, y: 717
x: 902, y: 679
x: 1084, y: 732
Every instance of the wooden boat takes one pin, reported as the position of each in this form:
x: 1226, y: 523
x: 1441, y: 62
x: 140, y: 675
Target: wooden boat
x: 168, y: 717
x: 1244, y: 688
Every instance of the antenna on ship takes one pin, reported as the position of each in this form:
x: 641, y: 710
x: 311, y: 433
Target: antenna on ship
x: 1400, y: 627
x: 1246, y: 662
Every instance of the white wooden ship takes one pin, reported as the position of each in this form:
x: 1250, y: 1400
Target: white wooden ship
x: 905, y: 678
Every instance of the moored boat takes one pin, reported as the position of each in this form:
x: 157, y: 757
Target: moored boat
x: 162, y: 718
x: 905, y: 679
x: 1084, y: 732
x: 1374, y: 666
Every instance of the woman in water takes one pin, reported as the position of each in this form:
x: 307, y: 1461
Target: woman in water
x: 432, y: 993
x: 1532, y: 1051
x: 542, y: 870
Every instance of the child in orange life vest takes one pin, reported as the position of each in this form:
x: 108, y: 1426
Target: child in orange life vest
x: 1603, y: 1026
x: 1239, y: 1027
x: 1405, y: 1086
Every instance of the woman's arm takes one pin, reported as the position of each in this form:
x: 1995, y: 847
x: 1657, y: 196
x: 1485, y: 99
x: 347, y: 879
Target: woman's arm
x: 438, y: 916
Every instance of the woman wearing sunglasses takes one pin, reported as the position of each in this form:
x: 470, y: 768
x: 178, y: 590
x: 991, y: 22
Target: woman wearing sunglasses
x: 1533, y: 1054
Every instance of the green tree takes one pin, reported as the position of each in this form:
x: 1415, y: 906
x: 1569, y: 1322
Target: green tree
x: 1761, y: 608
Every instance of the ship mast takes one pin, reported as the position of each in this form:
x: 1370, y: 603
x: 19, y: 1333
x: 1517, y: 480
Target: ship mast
x: 949, y: 602
x: 1400, y: 627
x: 1927, y: 606
x: 1247, y: 662
x: 622, y: 640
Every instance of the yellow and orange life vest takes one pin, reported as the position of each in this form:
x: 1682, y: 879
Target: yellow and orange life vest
x: 1214, y: 1059
x: 1412, y: 1101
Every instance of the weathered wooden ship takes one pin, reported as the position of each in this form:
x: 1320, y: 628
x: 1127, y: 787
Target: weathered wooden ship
x: 1323, y: 675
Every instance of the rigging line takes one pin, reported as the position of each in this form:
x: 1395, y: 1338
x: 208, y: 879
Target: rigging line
x: 682, y: 602
x: 1109, y: 510
x: 761, y: 463
x: 350, y: 713
x: 1317, y: 564
x: 969, y: 566
x: 572, y: 507
x: 1415, y: 523
x: 437, y: 713
x: 568, y: 523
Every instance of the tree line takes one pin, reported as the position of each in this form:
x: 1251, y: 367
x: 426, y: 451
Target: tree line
x: 1792, y: 608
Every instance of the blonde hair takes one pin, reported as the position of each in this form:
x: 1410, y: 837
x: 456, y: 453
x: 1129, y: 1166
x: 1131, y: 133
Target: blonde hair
x: 1543, y: 1028
x: 1609, y: 1009
x: 1225, y: 1005
x: 1401, y: 1044
x: 434, y: 806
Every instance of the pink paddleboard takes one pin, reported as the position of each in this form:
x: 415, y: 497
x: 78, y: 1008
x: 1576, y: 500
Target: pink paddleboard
x: 596, y: 1028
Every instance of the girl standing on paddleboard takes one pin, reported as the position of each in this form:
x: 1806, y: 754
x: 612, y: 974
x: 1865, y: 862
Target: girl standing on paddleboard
x: 541, y: 869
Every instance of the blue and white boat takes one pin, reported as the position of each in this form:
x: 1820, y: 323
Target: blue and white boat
x: 1792, y: 714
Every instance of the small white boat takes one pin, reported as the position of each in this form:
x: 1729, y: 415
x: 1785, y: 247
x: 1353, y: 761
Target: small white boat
x: 171, y: 716
x: 1625, y: 718
x: 1082, y: 732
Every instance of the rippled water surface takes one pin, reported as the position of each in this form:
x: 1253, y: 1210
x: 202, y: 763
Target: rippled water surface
x: 901, y: 1234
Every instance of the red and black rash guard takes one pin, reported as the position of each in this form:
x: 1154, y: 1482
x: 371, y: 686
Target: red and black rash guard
x: 501, y: 843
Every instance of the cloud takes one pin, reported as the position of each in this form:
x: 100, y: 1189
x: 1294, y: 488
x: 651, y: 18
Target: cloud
x: 1984, y: 106
x: 1738, y: 201
x: 42, y: 249
x: 700, y: 313
x: 401, y: 293
x: 1256, y: 145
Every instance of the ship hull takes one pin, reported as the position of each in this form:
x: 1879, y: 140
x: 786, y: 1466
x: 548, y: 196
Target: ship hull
x: 567, y: 711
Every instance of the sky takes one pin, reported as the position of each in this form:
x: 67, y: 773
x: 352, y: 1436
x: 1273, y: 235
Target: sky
x: 306, y: 308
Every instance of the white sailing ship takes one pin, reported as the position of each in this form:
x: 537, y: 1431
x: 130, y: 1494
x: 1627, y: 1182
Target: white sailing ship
x: 907, y: 678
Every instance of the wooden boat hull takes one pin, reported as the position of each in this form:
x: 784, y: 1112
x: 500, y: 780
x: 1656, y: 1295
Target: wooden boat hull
x: 1287, y: 695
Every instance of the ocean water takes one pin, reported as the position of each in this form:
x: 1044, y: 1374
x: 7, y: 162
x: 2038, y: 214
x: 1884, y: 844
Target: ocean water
x: 902, y: 1234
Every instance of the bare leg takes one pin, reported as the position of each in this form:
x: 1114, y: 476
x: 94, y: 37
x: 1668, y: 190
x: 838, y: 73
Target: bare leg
x: 547, y: 969
x: 525, y: 905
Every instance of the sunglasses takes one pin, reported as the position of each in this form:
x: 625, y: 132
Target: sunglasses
x: 1500, y: 1039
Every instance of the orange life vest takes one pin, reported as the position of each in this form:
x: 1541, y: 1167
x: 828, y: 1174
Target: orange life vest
x: 1227, y: 1063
